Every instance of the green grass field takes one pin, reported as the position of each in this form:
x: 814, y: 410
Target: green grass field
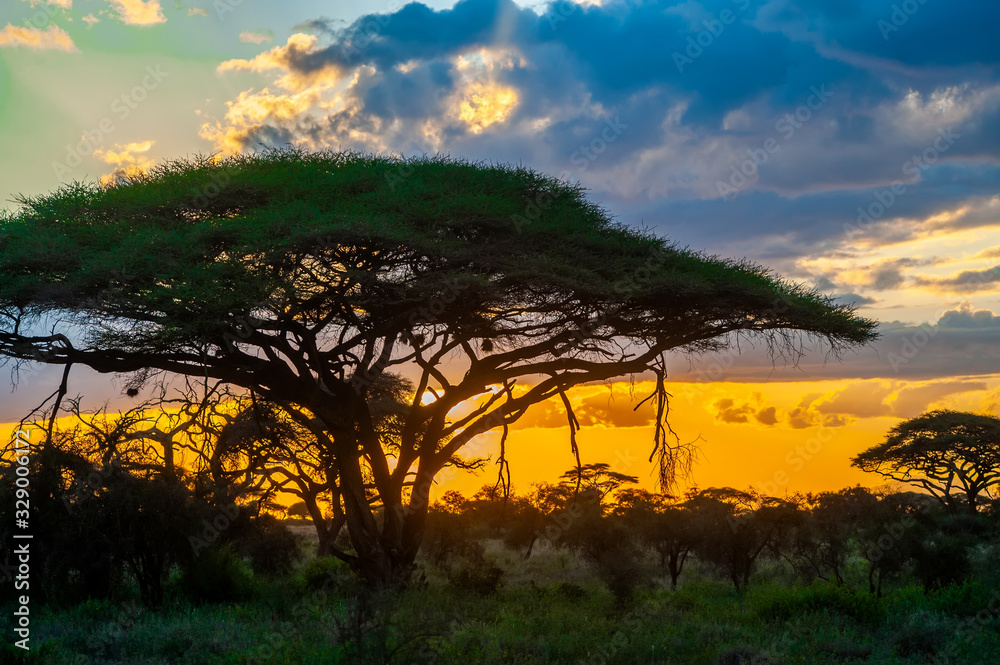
x: 549, y: 609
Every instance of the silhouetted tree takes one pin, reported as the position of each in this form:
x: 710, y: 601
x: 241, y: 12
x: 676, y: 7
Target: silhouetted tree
x: 598, y: 477
x: 668, y: 527
x: 737, y: 526
x: 309, y: 275
x: 950, y: 454
x: 823, y: 543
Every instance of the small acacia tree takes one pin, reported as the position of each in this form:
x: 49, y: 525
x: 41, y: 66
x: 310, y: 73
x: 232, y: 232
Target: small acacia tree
x: 303, y: 277
x: 950, y: 454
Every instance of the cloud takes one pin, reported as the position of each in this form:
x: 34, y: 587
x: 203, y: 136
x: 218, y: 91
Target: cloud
x: 966, y: 281
x: 62, y: 4
x: 198, y: 11
x: 878, y: 399
x: 854, y: 299
x: 863, y: 400
x: 90, y: 20
x: 962, y: 342
x: 989, y: 253
x: 868, y: 127
x: 911, y: 402
x: 127, y: 159
x: 767, y: 416
x: 729, y: 412
x: 139, y: 12
x: 592, y: 406
x: 256, y: 37
x: 299, y: 48
x: 966, y: 317
x: 52, y: 38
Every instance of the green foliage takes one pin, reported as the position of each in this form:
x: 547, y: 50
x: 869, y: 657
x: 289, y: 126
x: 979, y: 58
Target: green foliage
x: 152, y: 230
x: 269, y: 544
x: 922, y: 634
x: 477, y: 574
x: 326, y: 574
x: 217, y: 575
x: 783, y: 604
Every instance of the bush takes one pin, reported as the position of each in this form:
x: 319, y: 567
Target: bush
x: 571, y: 591
x: 218, y: 575
x: 743, y: 656
x: 478, y: 575
x: 778, y: 603
x: 326, y: 574
x: 270, y: 545
x: 922, y: 634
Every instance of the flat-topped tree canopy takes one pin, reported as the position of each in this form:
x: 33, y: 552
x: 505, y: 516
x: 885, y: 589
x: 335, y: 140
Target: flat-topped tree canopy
x: 950, y: 454
x: 305, y: 275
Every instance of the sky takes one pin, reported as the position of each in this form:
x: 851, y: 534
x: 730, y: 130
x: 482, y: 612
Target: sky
x: 851, y: 146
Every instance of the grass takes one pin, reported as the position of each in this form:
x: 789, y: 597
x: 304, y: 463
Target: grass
x: 549, y: 609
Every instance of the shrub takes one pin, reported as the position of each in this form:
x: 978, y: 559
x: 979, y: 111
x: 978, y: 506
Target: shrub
x: 477, y: 575
x: 743, y: 656
x: 217, y: 575
x: 326, y: 574
x: 571, y: 591
x: 270, y: 545
x: 778, y: 603
x: 922, y: 634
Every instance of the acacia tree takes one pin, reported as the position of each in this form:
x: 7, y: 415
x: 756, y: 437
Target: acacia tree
x: 305, y: 276
x: 948, y: 453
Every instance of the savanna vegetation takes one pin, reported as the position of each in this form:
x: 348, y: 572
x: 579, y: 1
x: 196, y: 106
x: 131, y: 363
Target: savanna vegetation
x: 308, y: 342
x: 139, y: 566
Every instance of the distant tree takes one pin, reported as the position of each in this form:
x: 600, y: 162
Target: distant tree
x: 598, y: 477
x: 885, y: 537
x: 307, y: 276
x: 823, y: 543
x: 298, y: 509
x: 668, y: 527
x: 738, y: 526
x: 953, y: 455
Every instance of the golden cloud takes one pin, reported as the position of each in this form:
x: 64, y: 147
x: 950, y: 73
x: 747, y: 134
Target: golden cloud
x: 61, y: 4
x: 483, y: 105
x: 52, y: 38
x: 128, y: 160
x: 256, y: 37
x: 297, y: 47
x: 139, y: 12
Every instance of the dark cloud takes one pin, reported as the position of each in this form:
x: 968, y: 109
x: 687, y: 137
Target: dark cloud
x: 966, y: 317
x: 729, y: 412
x: 967, y: 281
x: 963, y: 343
x: 848, y: 109
x: 590, y: 409
x: 767, y: 416
x: 854, y: 299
